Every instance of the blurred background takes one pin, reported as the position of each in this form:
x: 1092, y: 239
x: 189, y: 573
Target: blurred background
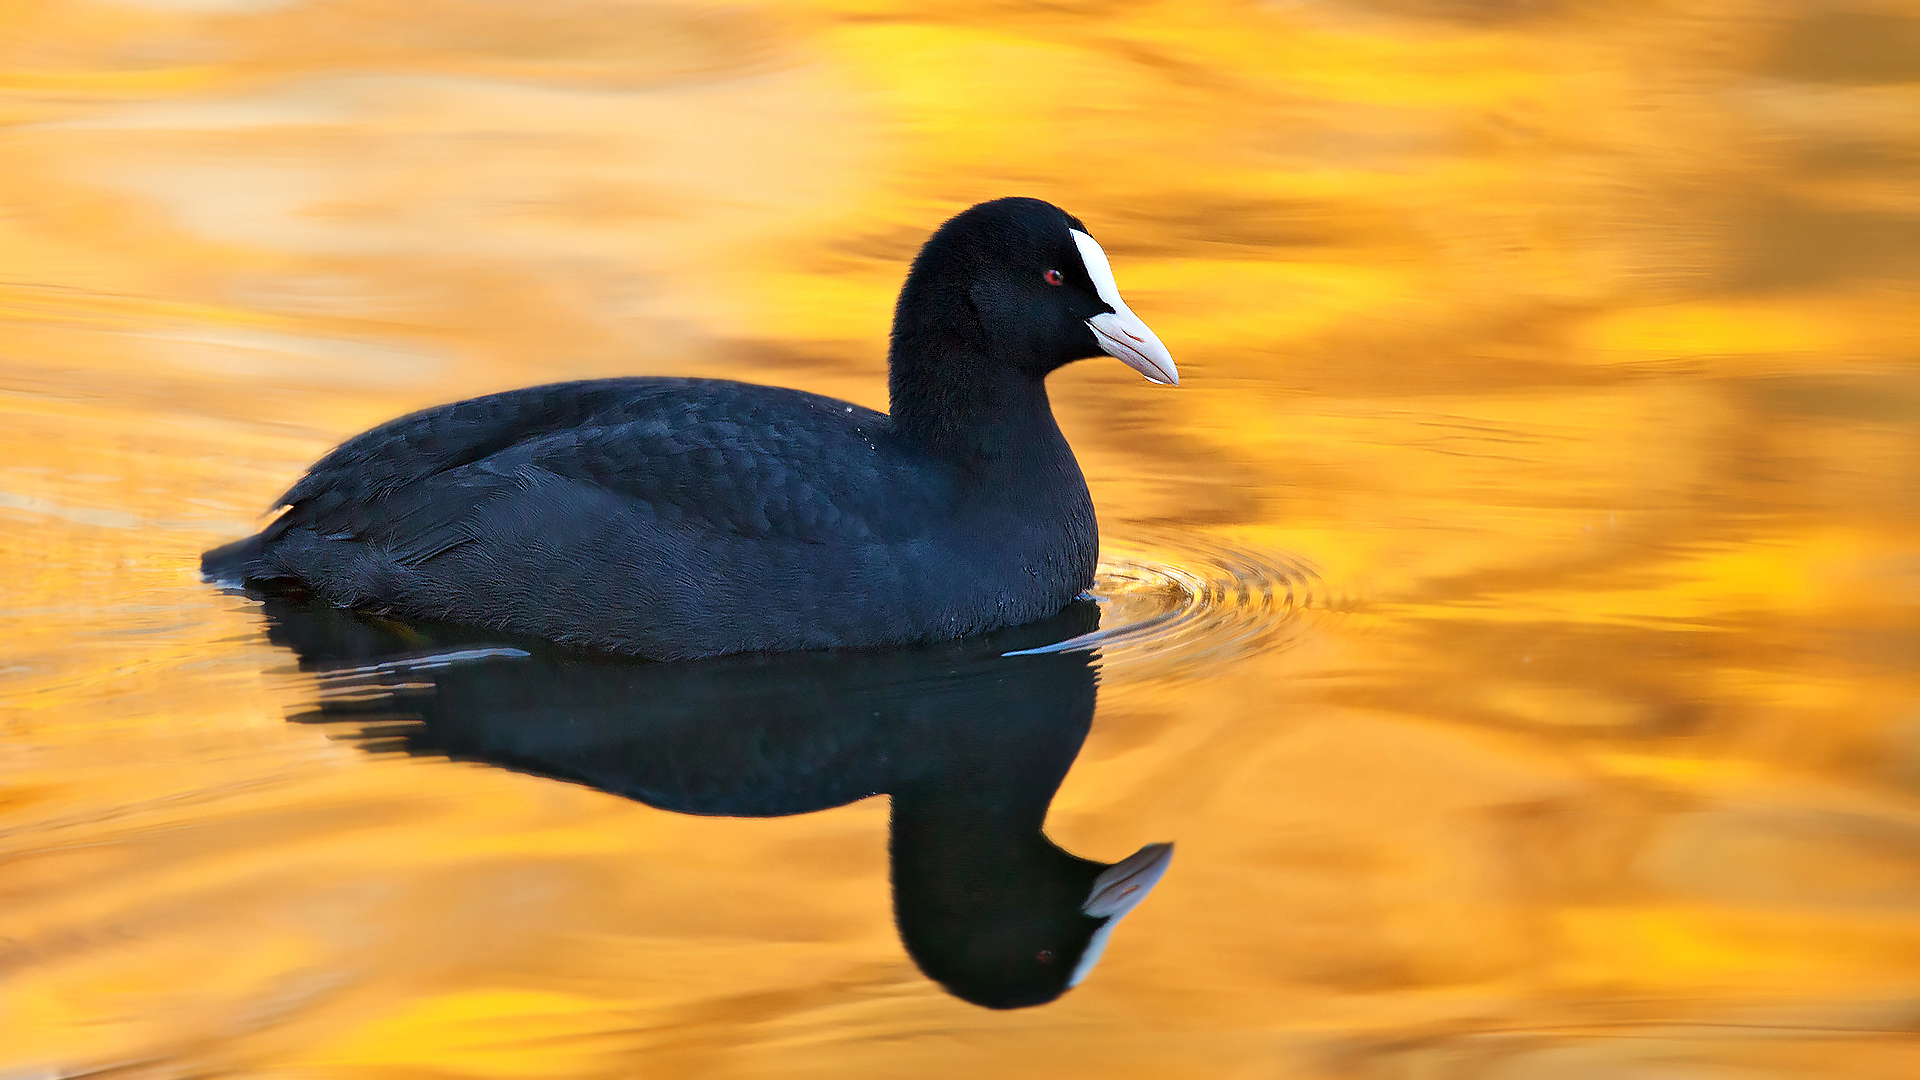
x: 1542, y: 502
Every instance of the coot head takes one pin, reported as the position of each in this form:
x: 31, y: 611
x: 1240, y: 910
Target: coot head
x: 1017, y: 933
x: 1015, y: 283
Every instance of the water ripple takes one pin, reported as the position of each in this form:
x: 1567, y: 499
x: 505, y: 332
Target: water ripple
x: 1184, y: 602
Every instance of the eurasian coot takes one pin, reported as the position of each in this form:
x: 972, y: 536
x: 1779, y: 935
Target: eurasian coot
x: 676, y: 518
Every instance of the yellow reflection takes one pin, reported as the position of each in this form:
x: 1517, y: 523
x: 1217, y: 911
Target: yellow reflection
x: 1573, y: 344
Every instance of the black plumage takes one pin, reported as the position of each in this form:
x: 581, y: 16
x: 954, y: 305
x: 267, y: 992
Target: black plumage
x: 678, y: 518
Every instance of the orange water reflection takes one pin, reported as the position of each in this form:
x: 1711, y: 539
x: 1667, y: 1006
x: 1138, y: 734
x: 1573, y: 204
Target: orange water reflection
x: 1572, y: 344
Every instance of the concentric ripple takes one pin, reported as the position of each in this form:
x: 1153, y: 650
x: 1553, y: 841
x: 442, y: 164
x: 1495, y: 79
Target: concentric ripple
x: 1185, y: 602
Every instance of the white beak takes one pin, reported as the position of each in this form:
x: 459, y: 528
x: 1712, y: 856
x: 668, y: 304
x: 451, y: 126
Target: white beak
x: 1120, y: 332
x: 1118, y: 890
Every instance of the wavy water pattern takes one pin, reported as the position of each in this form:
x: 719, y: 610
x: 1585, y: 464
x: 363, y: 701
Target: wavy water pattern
x: 1174, y: 605
x: 1572, y: 343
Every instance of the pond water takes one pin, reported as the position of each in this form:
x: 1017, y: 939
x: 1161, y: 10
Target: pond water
x: 1512, y: 620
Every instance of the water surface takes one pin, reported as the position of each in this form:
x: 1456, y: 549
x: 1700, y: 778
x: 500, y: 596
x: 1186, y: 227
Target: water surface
x: 1514, y: 619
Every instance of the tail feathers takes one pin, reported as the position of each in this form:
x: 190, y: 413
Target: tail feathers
x: 234, y: 563
x: 247, y: 564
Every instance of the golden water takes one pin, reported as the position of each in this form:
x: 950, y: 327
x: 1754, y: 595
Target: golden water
x: 1559, y: 360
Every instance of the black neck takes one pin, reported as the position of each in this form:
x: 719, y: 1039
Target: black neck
x: 960, y: 856
x: 953, y: 386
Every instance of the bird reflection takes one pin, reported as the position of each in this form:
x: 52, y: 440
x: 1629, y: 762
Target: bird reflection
x: 969, y: 742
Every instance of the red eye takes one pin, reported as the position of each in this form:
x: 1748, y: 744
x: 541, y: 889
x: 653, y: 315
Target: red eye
x: 1053, y: 277
x: 1046, y: 955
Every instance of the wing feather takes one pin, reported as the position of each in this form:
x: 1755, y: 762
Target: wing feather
x: 728, y: 458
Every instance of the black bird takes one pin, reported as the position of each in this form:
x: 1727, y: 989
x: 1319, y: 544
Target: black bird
x: 970, y: 744
x: 678, y: 518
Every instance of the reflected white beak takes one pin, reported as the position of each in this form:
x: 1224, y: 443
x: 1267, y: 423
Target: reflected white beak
x: 1120, y: 332
x: 1118, y: 890
x: 1120, y: 887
